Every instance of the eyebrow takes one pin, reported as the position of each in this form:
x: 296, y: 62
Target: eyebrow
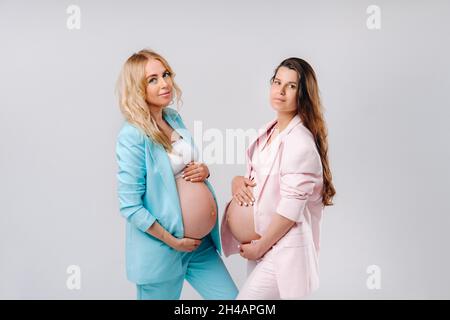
x: 296, y: 83
x: 154, y: 75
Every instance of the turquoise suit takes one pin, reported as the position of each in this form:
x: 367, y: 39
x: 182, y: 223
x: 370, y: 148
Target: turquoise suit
x: 147, y: 193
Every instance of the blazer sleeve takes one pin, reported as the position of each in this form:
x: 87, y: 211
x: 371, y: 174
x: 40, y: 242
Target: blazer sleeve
x: 300, y: 172
x: 130, y: 154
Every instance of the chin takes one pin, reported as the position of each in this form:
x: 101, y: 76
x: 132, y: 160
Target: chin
x: 282, y: 109
x: 160, y: 105
x: 276, y: 107
x: 164, y: 103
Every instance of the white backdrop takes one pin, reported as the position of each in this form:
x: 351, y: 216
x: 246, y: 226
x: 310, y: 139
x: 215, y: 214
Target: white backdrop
x: 386, y: 97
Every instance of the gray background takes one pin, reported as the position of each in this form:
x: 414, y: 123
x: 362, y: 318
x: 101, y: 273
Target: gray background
x: 385, y: 92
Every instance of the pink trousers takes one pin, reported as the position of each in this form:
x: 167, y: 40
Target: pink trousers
x: 261, y: 283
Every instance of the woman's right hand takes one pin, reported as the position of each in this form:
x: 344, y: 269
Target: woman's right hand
x: 241, y: 191
x: 185, y: 244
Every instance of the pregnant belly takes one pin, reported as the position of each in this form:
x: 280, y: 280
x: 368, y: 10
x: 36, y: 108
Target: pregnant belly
x: 197, y: 207
x: 241, y: 222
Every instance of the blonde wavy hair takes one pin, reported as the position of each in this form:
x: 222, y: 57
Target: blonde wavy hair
x: 131, y: 89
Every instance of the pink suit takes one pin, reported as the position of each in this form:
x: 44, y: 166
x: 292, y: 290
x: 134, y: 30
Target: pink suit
x: 291, y: 186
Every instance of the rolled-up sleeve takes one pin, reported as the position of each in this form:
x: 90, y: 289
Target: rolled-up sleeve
x: 130, y: 155
x: 300, y: 172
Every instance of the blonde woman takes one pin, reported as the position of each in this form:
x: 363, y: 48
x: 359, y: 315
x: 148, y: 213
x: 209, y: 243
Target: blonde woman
x: 170, y: 208
x: 274, y: 219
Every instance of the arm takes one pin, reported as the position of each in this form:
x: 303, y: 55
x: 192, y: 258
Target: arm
x: 130, y: 154
x: 279, y: 226
x: 300, y: 171
x: 130, y: 151
x: 185, y: 244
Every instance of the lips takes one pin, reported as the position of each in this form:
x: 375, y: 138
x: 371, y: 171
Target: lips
x: 165, y: 94
x: 279, y: 99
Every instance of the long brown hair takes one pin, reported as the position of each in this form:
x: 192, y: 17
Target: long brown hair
x: 309, y: 109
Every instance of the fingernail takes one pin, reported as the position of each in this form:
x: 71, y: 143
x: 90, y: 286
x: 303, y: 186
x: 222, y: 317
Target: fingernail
x: 246, y: 204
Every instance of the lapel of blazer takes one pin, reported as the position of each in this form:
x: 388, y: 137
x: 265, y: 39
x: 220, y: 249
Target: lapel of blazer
x: 161, y: 159
x: 294, y: 121
x: 251, y: 148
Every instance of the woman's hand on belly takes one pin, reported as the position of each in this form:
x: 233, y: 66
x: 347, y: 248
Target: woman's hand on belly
x: 184, y: 244
x: 195, y: 172
x: 241, y: 191
x: 252, y: 250
x: 240, y: 220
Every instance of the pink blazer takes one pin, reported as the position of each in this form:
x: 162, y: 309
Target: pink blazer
x: 292, y: 188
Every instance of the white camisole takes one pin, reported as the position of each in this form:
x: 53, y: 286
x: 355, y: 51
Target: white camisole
x: 181, y: 155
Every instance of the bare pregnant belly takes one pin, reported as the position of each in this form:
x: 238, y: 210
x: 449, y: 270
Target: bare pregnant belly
x: 197, y: 207
x: 241, y: 222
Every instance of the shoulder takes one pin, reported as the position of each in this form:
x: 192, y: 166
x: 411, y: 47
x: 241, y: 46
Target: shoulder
x: 300, y: 135
x: 130, y: 134
x: 299, y: 145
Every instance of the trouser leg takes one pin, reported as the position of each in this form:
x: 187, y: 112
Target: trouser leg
x: 167, y: 290
x: 261, y: 284
x: 207, y: 273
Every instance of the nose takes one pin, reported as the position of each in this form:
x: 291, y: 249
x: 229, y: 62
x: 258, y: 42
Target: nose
x: 163, y: 83
x: 282, y: 91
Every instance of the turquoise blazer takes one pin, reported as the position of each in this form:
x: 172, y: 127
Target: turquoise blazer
x: 147, y: 192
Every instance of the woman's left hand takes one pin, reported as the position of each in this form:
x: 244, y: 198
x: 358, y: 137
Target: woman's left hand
x: 252, y: 250
x: 195, y: 172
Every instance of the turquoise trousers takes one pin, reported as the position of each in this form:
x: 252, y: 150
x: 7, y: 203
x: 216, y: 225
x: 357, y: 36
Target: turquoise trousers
x: 203, y: 269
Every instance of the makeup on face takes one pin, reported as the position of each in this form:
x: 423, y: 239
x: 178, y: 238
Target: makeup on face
x: 159, y: 83
x: 284, y: 89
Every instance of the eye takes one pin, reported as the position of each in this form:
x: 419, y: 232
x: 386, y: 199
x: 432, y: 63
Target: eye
x: 292, y: 86
x: 277, y: 82
x: 167, y: 74
x: 152, y: 81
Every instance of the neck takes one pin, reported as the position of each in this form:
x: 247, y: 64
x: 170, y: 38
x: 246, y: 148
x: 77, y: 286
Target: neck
x: 283, y: 119
x: 156, y: 113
